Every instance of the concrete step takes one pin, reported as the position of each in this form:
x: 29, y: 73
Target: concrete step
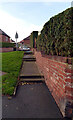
x: 28, y: 52
x: 29, y: 59
x: 31, y: 76
x: 29, y: 56
x: 29, y: 68
x: 32, y: 80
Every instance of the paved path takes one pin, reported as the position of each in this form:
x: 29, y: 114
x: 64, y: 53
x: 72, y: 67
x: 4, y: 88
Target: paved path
x: 29, y: 68
x: 31, y: 101
x: 29, y: 71
x: 29, y: 56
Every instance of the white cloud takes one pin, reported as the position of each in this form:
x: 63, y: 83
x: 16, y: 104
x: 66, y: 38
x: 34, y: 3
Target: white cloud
x: 10, y: 25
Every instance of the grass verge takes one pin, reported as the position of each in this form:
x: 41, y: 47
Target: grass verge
x: 11, y: 63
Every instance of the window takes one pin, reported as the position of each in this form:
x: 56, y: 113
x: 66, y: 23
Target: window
x: 6, y: 38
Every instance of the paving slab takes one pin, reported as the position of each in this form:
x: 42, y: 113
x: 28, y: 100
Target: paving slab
x: 28, y: 52
x: 29, y: 56
x: 31, y: 101
x: 29, y: 68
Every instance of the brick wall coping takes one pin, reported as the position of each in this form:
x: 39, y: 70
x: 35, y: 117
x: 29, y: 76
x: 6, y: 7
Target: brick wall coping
x: 68, y: 60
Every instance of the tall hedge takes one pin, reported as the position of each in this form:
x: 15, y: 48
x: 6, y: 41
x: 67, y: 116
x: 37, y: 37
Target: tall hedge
x: 7, y: 45
x: 33, y: 35
x: 31, y: 40
x: 56, y: 37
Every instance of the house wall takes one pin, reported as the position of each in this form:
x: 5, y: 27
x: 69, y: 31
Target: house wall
x: 0, y: 38
x: 3, y: 38
x: 6, y: 49
x: 26, y: 41
x: 59, y: 79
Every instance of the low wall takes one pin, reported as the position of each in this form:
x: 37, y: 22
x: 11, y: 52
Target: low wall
x: 6, y: 49
x: 59, y: 79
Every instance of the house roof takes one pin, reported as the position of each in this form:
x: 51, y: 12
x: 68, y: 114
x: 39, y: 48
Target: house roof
x: 27, y: 38
x: 12, y: 40
x: 3, y: 33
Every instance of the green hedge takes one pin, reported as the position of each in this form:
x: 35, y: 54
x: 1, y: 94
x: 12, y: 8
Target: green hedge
x: 56, y: 37
x: 7, y: 45
x: 31, y: 40
x: 33, y: 35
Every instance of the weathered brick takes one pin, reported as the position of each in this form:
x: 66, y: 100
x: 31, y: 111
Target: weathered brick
x: 57, y: 74
x: 69, y: 88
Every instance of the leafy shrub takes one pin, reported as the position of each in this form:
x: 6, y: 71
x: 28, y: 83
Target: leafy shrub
x: 56, y: 37
x: 33, y: 36
x: 7, y: 45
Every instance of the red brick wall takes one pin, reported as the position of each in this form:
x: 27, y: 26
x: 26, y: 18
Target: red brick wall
x: 6, y: 49
x: 3, y: 38
x: 0, y: 38
x: 27, y: 41
x: 59, y: 79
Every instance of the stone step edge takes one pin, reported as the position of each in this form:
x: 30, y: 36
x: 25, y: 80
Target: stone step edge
x: 32, y: 80
x: 22, y: 80
x: 28, y: 53
x: 31, y: 76
x: 29, y: 60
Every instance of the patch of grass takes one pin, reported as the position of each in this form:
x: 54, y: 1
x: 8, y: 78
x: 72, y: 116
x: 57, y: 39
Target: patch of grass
x: 11, y: 63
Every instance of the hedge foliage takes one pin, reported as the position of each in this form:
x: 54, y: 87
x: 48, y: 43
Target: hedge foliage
x: 56, y: 37
x: 31, y: 40
x: 33, y: 36
x: 7, y: 45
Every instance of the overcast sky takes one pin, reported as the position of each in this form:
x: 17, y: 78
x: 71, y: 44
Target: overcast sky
x: 25, y: 17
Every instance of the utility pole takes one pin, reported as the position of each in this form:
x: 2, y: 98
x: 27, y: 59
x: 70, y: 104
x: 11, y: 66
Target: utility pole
x: 16, y: 36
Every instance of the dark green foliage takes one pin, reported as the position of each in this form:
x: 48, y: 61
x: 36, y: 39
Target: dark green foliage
x: 56, y: 37
x: 31, y: 40
x: 33, y: 36
x: 7, y: 45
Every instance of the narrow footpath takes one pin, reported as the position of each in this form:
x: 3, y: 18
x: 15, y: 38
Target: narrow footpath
x: 33, y: 99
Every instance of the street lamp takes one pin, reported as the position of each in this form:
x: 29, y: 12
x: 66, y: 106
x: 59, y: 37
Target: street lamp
x: 16, y: 36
